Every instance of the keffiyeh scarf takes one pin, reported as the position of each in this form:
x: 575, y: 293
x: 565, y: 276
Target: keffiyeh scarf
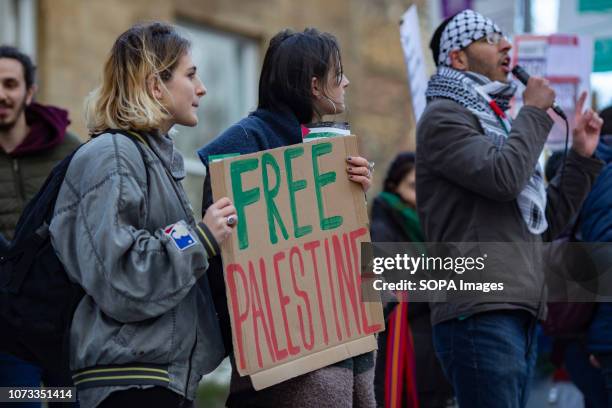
x: 465, y: 28
x: 472, y: 91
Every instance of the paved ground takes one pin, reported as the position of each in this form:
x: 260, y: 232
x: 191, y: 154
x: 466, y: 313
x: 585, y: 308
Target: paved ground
x: 545, y: 394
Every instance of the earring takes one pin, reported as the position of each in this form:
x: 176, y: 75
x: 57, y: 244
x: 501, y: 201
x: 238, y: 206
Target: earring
x: 332, y: 103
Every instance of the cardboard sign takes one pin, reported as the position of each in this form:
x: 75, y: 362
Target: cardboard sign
x: 292, y: 266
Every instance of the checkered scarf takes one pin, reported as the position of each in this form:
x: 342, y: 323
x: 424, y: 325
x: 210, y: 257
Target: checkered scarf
x: 461, y: 87
x: 465, y: 28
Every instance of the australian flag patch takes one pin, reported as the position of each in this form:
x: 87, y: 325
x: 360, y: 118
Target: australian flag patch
x: 180, y: 234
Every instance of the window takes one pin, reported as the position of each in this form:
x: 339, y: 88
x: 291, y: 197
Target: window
x: 18, y: 25
x: 228, y: 66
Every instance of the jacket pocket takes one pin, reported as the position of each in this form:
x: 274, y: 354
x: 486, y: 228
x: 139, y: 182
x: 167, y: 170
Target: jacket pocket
x: 149, y: 341
x: 125, y: 334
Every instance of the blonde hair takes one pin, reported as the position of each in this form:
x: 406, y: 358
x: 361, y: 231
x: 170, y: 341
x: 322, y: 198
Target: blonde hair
x: 123, y: 100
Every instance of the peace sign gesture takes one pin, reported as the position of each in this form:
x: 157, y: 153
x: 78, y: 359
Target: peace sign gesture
x: 588, y: 126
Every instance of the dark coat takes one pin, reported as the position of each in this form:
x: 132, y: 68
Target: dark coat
x: 467, y: 189
x: 4, y: 244
x: 596, y: 226
x: 432, y: 386
x: 386, y: 223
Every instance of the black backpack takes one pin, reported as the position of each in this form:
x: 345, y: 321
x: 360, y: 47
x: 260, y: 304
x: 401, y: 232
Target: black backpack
x: 37, y: 299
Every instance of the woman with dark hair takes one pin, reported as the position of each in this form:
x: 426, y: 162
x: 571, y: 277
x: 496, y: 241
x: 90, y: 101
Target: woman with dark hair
x: 144, y: 332
x: 394, y: 217
x: 301, y: 81
x: 407, y: 372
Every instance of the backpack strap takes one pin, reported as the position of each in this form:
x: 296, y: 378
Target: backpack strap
x: 138, y: 141
x: 16, y: 261
x: 15, y: 272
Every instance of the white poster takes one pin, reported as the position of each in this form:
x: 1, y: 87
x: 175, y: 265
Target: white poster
x: 567, y: 62
x: 415, y: 61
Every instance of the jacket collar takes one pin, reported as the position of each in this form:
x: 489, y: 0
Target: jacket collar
x: 284, y: 124
x: 165, y: 150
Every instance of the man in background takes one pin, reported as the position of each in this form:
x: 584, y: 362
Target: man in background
x: 33, y: 138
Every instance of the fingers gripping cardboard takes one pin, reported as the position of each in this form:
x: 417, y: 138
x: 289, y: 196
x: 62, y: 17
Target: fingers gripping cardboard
x: 292, y: 266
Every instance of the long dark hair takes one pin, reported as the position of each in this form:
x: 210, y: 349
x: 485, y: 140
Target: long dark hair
x: 400, y: 166
x: 291, y: 61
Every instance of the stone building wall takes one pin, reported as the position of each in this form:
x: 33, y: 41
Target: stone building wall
x: 75, y: 37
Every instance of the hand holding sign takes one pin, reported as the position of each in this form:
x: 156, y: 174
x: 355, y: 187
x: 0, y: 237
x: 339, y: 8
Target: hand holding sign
x: 217, y: 216
x: 293, y: 269
x: 360, y: 171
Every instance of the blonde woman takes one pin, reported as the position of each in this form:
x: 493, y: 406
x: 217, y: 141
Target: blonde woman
x: 144, y: 332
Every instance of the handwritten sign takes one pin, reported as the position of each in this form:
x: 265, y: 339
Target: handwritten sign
x: 292, y: 267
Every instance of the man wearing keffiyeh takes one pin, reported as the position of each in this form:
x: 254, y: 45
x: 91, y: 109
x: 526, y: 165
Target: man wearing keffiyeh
x: 478, y: 180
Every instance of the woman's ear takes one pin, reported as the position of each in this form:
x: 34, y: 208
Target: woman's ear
x: 459, y: 60
x: 315, y: 87
x: 154, y: 86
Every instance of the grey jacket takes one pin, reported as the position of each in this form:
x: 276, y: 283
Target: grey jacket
x: 143, y: 320
x: 467, y: 190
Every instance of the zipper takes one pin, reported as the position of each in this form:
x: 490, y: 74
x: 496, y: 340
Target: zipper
x: 18, y: 182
